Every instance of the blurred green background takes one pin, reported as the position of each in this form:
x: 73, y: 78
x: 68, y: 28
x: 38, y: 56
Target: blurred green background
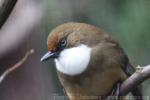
x: 127, y: 21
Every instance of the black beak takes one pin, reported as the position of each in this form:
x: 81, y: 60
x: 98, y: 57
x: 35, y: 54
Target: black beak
x: 49, y: 55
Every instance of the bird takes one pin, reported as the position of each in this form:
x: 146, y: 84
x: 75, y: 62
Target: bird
x: 90, y: 64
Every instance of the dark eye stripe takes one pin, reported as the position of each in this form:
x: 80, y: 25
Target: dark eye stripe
x: 62, y: 44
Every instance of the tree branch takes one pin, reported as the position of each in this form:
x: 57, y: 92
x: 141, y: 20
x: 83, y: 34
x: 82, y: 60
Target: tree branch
x: 142, y: 74
x: 17, y: 65
x: 6, y: 6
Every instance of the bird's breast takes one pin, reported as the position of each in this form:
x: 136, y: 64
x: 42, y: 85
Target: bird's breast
x: 73, y: 61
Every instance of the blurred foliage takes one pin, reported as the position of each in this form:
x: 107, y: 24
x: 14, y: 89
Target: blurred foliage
x: 127, y: 21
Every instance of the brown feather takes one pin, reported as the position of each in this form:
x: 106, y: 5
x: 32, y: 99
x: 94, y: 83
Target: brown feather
x: 107, y: 65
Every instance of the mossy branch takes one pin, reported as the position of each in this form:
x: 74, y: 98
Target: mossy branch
x: 141, y: 74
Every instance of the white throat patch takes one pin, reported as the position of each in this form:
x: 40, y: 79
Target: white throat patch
x: 73, y: 61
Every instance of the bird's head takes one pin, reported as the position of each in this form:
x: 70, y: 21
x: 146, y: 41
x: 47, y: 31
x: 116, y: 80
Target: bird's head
x: 70, y: 45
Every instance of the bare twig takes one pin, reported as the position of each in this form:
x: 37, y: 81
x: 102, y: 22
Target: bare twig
x: 6, y: 6
x: 17, y: 65
x: 134, y: 80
